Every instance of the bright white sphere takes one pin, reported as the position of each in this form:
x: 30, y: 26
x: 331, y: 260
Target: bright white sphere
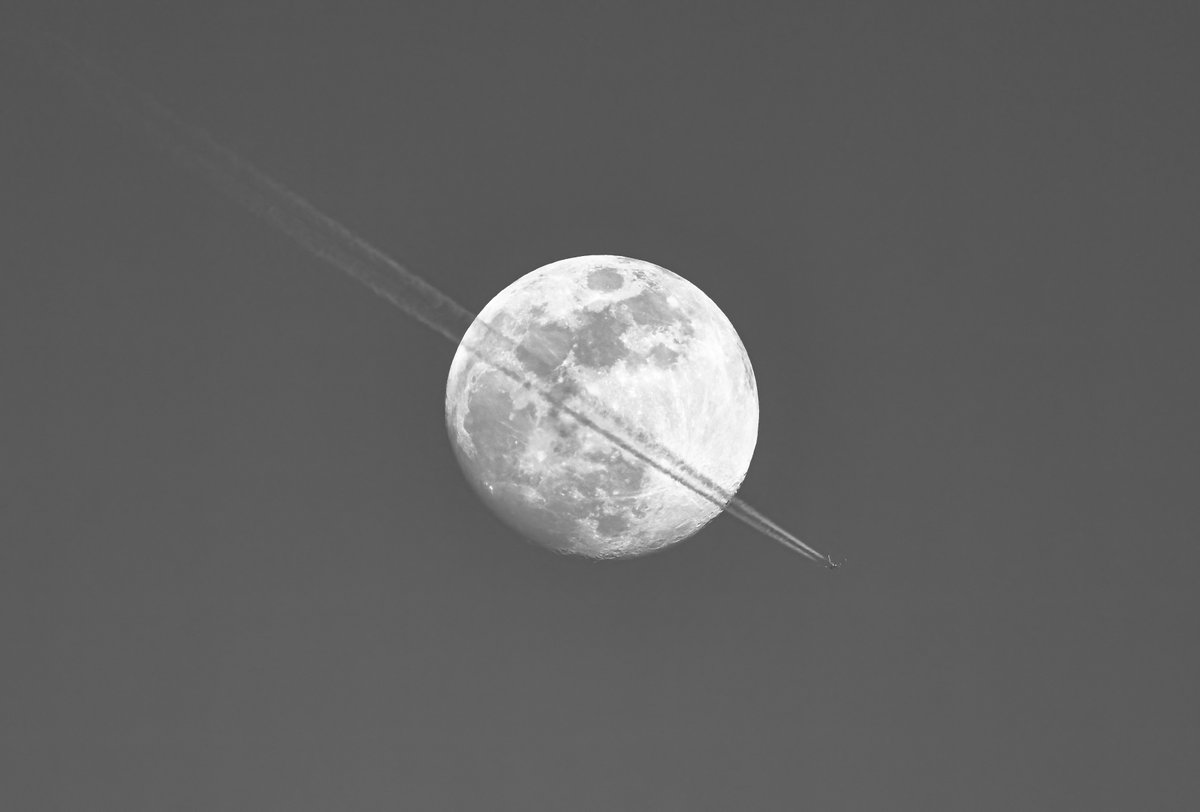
x: 624, y: 343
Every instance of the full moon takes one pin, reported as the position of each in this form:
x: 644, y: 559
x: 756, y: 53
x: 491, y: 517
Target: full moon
x: 623, y: 343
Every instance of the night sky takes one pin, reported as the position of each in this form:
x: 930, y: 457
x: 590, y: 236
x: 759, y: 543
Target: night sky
x: 241, y: 569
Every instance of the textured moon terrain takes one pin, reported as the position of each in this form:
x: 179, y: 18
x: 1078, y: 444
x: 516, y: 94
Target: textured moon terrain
x: 636, y: 350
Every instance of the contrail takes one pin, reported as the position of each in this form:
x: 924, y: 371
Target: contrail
x: 228, y: 172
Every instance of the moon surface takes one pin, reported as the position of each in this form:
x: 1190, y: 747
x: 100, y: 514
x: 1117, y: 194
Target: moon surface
x: 628, y: 345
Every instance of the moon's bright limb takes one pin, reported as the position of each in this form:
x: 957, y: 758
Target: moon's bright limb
x: 226, y: 171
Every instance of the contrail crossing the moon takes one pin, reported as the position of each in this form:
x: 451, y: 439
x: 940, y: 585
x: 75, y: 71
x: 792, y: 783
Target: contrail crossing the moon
x: 276, y: 204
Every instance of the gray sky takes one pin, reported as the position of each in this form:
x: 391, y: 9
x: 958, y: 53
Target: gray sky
x: 240, y: 569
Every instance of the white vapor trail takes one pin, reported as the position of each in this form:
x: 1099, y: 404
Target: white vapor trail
x: 225, y: 170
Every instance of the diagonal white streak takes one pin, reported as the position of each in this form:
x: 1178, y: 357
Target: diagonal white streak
x: 279, y: 206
